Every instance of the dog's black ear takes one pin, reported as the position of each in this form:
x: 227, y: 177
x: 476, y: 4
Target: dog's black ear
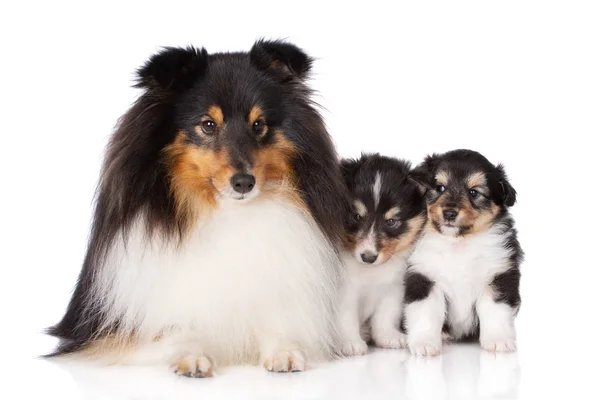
x: 283, y: 60
x: 424, y: 174
x: 173, y: 69
x: 508, y: 193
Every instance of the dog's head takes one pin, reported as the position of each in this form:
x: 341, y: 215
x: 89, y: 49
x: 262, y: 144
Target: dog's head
x: 222, y: 128
x: 388, y: 208
x: 231, y: 114
x: 465, y: 192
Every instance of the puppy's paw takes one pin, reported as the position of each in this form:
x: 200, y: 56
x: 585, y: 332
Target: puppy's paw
x: 354, y: 348
x: 393, y: 340
x: 446, y: 337
x: 499, y: 345
x: 285, y: 361
x: 425, y: 347
x: 193, y: 366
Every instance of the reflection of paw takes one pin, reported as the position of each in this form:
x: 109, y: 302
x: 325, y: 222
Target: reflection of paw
x: 499, y: 345
x: 193, y: 366
x: 395, y: 340
x: 285, y: 361
x: 354, y: 348
x: 425, y: 347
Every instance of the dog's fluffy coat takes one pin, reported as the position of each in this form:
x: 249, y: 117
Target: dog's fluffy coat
x: 182, y: 267
x: 387, y: 218
x: 464, y: 274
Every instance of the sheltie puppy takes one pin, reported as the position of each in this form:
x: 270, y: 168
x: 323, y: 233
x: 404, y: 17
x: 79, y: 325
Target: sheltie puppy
x: 463, y: 276
x: 217, y: 220
x: 387, y: 218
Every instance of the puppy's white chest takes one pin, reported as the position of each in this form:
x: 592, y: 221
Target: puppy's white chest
x: 367, y: 285
x: 462, y: 268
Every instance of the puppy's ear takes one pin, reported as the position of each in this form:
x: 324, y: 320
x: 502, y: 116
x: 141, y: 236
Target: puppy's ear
x: 173, y: 69
x: 508, y: 193
x: 348, y: 167
x: 424, y: 174
x: 283, y: 60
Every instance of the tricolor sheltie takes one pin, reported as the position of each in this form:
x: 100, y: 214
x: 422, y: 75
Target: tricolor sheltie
x: 463, y: 277
x: 387, y: 219
x: 218, y: 216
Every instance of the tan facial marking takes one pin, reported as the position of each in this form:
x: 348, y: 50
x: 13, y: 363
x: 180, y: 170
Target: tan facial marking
x: 216, y: 114
x: 196, y: 176
x: 389, y: 247
x: 477, y: 220
x: 360, y: 208
x: 273, y: 169
x: 442, y: 177
x: 392, y: 213
x: 476, y: 179
x: 255, y: 113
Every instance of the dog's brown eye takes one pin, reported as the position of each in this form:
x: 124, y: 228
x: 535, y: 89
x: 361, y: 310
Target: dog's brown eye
x: 208, y: 126
x: 357, y: 217
x: 392, y: 222
x: 474, y: 193
x: 441, y: 188
x: 258, y: 126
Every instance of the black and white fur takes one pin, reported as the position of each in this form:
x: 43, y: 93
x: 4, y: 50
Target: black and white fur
x: 181, y: 269
x: 388, y: 216
x: 463, y: 277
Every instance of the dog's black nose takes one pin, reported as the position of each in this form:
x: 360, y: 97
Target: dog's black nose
x: 450, y: 214
x: 369, y: 258
x: 242, y: 183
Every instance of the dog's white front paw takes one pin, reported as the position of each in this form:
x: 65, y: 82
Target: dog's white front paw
x: 285, y: 361
x: 193, y: 366
x: 426, y: 347
x: 499, y: 345
x: 354, y: 348
x: 392, y: 340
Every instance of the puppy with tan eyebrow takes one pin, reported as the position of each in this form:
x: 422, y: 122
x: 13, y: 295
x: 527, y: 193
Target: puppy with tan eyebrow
x: 387, y: 218
x: 463, y: 277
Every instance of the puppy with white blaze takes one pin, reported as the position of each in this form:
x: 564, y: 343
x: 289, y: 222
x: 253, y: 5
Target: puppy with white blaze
x: 463, y: 277
x: 387, y: 218
x: 217, y: 220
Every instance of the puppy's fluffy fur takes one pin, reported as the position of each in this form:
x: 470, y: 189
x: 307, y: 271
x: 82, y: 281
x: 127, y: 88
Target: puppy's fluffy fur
x: 217, y: 220
x: 464, y: 274
x: 387, y: 218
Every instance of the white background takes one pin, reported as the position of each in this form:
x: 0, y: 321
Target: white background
x: 518, y: 81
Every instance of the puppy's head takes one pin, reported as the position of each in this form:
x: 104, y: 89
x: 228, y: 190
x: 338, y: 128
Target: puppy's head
x: 230, y: 112
x: 388, y: 210
x: 465, y: 193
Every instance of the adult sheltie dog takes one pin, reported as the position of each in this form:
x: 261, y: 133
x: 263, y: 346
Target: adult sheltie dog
x: 218, y: 216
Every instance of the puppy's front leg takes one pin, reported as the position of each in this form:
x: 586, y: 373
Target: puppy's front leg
x: 496, y: 319
x: 350, y: 325
x: 424, y: 314
x: 386, y: 320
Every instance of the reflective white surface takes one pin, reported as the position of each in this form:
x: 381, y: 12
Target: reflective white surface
x: 463, y: 372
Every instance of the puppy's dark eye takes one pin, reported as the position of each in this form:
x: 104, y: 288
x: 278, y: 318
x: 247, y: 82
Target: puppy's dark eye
x: 208, y: 126
x: 392, y: 222
x: 357, y: 217
x: 258, y: 126
x: 441, y: 188
x: 474, y: 193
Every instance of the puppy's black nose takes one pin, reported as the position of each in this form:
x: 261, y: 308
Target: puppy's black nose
x: 242, y: 183
x: 369, y: 258
x: 450, y: 214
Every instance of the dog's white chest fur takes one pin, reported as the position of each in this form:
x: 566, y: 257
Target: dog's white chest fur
x: 462, y: 268
x: 368, y: 284
x: 248, y: 273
